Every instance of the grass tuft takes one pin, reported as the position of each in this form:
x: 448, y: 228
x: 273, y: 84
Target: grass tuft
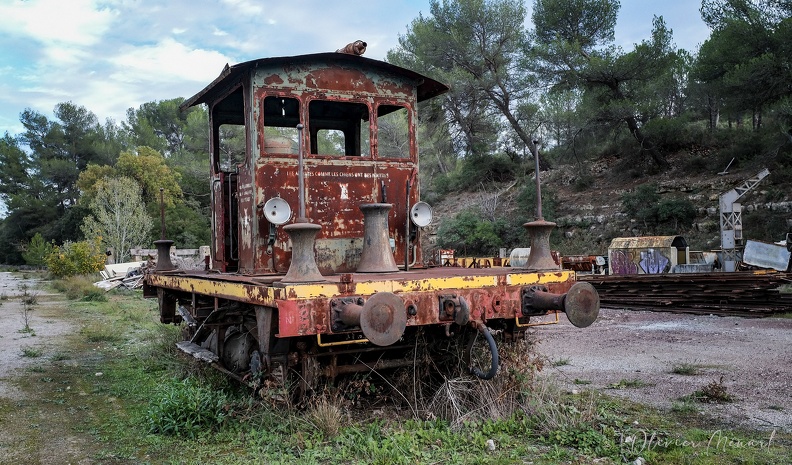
x: 326, y: 416
x: 629, y: 383
x: 713, y: 393
x: 31, y: 352
x: 686, y: 369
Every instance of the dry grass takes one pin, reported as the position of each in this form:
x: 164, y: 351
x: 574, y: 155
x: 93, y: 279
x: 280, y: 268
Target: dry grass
x: 464, y: 398
x: 546, y: 403
x: 326, y: 416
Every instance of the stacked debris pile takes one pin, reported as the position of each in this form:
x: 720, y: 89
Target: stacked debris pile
x: 125, y: 275
x: 747, y: 294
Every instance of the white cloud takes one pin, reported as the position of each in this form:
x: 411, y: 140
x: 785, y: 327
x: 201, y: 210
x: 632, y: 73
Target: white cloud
x: 245, y: 7
x: 73, y: 22
x: 167, y: 61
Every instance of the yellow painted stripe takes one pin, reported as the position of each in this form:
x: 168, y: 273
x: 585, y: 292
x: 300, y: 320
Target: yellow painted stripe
x: 255, y: 294
x: 267, y: 295
x: 522, y: 279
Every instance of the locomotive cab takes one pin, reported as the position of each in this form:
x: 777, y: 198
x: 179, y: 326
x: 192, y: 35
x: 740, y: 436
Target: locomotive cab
x: 358, y: 139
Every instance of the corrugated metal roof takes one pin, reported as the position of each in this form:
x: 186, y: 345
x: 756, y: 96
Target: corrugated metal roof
x: 647, y: 242
x: 427, y: 87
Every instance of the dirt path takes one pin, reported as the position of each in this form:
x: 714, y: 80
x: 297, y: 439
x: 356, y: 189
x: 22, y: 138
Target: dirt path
x: 632, y: 354
x: 44, y: 318
x: 37, y: 374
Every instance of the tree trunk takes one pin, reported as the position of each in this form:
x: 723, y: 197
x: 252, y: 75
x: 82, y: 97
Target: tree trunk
x: 524, y: 136
x: 646, y: 143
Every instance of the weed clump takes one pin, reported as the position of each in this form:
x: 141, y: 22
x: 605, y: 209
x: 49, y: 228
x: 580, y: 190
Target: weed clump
x: 80, y: 288
x: 686, y: 369
x: 186, y: 408
x: 713, y: 393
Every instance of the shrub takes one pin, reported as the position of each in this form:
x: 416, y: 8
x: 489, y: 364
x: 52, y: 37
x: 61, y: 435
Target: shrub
x: 470, y: 233
x: 73, y: 258
x: 185, y: 408
x: 80, y: 288
x: 642, y: 203
x: 37, y: 251
x: 676, y: 212
x: 669, y: 134
x: 526, y: 201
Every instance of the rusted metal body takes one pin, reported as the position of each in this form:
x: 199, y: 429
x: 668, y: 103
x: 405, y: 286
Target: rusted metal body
x: 342, y: 287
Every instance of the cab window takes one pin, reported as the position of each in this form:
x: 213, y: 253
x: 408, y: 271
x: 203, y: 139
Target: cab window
x: 281, y: 116
x: 393, y: 132
x: 339, y: 128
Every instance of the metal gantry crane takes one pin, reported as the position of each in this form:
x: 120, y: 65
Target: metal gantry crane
x: 731, y: 220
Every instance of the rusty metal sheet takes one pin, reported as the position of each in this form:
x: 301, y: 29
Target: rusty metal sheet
x: 645, y: 242
x: 766, y: 255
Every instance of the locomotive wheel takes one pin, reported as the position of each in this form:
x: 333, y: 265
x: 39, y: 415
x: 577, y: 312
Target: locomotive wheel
x: 236, y: 350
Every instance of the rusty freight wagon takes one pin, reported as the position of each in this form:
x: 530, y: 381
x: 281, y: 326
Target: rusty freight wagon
x: 316, y: 267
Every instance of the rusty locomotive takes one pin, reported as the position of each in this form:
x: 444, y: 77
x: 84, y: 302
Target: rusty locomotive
x: 316, y: 267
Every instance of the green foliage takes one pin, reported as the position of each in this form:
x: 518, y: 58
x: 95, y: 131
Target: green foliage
x: 470, y: 234
x: 687, y: 369
x: 487, y: 75
x: 587, y: 440
x: 73, y: 258
x: 187, y: 224
x: 118, y: 216
x: 186, y: 408
x: 78, y: 287
x: 37, y: 251
x: 31, y: 352
x: 526, y: 201
x: 646, y: 204
x: 476, y: 170
x: 618, y: 87
x: 669, y: 134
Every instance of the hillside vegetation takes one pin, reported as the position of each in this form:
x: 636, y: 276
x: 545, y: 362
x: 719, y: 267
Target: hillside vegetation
x: 596, y: 200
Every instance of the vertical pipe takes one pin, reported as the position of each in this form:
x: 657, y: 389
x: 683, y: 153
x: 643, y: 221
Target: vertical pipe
x: 300, y: 174
x: 162, y: 213
x: 407, y: 230
x: 535, y: 151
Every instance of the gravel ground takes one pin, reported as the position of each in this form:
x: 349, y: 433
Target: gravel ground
x: 631, y: 354
x: 44, y: 319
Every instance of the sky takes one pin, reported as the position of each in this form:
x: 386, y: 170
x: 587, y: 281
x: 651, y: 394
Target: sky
x: 112, y: 55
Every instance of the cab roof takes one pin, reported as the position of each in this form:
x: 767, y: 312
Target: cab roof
x: 427, y: 87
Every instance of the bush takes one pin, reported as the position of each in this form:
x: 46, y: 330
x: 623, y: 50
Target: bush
x: 470, y: 233
x: 37, y: 251
x: 676, y: 212
x: 186, y: 408
x: 641, y: 204
x: 474, y: 170
x: 645, y: 204
x: 79, y: 288
x: 74, y: 258
x: 526, y: 201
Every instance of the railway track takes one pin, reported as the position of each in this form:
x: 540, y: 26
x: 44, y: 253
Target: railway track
x: 745, y: 294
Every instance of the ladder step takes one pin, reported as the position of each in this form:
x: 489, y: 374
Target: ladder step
x: 197, y: 351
